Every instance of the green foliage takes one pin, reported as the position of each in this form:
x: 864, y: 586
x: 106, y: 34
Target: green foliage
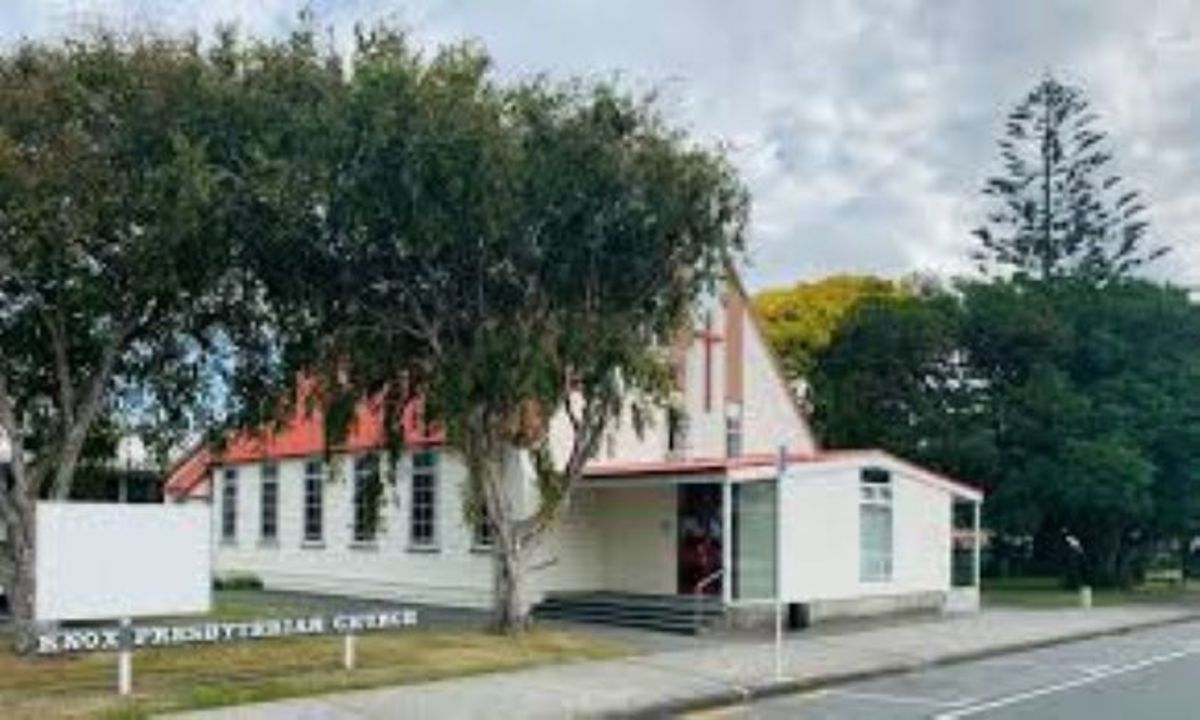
x: 1072, y: 403
x: 801, y: 320
x: 894, y: 376
x: 135, y: 177
x: 506, y: 253
x: 237, y: 581
x: 1058, y: 209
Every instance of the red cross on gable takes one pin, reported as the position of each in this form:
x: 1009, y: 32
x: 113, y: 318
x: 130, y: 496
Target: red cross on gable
x: 709, y: 338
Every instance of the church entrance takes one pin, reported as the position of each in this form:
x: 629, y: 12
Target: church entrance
x: 700, y: 540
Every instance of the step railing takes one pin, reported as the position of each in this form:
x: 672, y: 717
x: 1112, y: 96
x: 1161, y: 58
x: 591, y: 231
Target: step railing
x: 698, y: 592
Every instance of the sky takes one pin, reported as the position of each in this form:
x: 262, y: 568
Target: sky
x: 863, y: 129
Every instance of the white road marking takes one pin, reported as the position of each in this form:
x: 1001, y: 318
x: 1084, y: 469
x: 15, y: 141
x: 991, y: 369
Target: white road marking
x: 901, y: 699
x: 1059, y: 687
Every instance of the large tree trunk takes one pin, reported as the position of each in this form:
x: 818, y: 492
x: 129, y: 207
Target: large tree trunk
x: 20, y: 582
x: 509, y: 611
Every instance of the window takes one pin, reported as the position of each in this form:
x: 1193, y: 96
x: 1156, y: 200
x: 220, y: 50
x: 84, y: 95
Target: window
x: 269, y: 504
x: 367, y: 489
x: 754, y: 542
x: 314, y: 502
x: 733, y: 430
x: 677, y: 432
x: 875, y: 525
x: 481, y: 534
x: 423, y: 518
x: 229, y: 499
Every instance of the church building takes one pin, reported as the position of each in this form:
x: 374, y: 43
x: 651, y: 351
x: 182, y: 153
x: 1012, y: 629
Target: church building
x: 725, y: 502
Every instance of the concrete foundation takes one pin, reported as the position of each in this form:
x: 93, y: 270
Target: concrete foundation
x: 801, y: 615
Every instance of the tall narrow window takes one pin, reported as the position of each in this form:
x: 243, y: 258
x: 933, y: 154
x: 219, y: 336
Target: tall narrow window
x: 677, y: 433
x: 229, y: 500
x: 481, y: 535
x: 733, y: 430
x: 367, y: 490
x: 423, y: 519
x: 269, y: 504
x: 314, y: 502
x: 875, y: 525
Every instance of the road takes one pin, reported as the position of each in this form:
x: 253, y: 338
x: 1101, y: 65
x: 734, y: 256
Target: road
x: 1144, y: 675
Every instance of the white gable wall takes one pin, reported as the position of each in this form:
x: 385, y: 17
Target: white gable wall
x: 770, y: 415
x: 821, y: 536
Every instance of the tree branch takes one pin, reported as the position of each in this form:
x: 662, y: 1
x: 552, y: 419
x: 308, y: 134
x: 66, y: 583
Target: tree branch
x: 8, y: 416
x: 62, y: 367
x: 89, y: 408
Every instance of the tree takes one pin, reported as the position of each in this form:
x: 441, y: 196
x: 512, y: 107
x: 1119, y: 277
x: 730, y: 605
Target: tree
x: 801, y: 320
x: 1058, y: 209
x: 1073, y: 404
x: 1088, y: 391
x: 894, y: 376
x: 130, y: 175
x: 512, y: 257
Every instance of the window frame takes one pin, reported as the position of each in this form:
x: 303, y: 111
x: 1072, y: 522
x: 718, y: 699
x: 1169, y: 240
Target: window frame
x: 314, y: 477
x: 422, y: 472
x: 364, y: 466
x: 482, y: 533
x: 876, y: 494
x: 269, y: 478
x: 229, y: 506
x: 735, y: 438
x: 678, y: 428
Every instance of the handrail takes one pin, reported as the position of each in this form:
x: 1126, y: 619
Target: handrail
x: 697, y: 591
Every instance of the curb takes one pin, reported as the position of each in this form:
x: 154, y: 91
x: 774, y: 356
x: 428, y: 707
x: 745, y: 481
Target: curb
x: 760, y: 691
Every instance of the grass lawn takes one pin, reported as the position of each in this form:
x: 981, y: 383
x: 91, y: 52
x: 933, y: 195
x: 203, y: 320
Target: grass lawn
x: 1048, y: 592
x: 167, y: 679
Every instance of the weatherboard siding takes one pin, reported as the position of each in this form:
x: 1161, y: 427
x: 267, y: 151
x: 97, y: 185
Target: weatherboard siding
x: 454, y: 573
x: 821, y: 537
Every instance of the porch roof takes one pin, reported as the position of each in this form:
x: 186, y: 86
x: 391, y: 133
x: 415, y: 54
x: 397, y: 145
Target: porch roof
x: 736, y: 467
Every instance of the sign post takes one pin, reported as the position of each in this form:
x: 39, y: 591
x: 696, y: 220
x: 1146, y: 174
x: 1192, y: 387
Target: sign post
x: 125, y: 659
x: 348, y: 651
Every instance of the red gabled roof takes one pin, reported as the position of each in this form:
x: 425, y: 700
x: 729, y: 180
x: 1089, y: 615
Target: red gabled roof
x: 186, y: 476
x: 303, y: 436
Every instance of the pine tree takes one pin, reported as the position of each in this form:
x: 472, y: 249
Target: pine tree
x: 1058, y: 209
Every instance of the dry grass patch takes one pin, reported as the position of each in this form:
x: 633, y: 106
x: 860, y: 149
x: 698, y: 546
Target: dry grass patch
x: 205, y: 676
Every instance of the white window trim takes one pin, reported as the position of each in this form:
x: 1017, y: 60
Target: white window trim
x: 229, y: 510
x: 877, y: 567
x: 356, y: 541
x: 319, y: 477
x: 432, y: 471
x: 266, y: 479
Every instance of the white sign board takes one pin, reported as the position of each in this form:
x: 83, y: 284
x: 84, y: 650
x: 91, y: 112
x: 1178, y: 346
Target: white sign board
x: 104, y: 561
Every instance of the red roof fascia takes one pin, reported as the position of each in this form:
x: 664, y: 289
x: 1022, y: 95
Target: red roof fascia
x: 188, y: 474
x: 696, y: 466
x: 304, y: 436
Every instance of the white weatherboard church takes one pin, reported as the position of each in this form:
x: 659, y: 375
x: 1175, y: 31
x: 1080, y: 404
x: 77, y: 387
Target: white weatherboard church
x: 691, y: 507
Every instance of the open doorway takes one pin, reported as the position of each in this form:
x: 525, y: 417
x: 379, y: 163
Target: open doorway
x: 700, y: 539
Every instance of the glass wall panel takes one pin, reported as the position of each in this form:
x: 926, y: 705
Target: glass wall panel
x: 754, y: 540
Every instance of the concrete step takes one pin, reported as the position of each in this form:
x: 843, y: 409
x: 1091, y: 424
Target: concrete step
x: 676, y: 614
x: 682, y: 626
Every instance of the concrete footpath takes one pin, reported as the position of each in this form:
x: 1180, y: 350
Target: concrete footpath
x: 715, y: 672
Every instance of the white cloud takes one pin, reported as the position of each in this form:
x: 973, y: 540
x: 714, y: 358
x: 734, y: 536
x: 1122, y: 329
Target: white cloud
x: 864, y: 128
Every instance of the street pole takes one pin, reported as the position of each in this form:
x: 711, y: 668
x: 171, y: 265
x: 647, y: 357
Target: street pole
x: 780, y: 470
